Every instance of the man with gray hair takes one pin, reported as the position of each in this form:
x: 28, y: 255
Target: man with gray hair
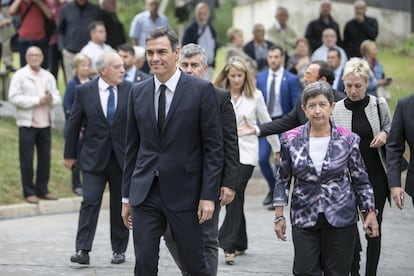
x: 201, y: 32
x: 193, y: 61
x: 100, y: 104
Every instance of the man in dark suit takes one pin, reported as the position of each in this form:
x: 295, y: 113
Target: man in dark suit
x: 316, y: 71
x: 280, y: 90
x: 174, y: 157
x: 258, y: 46
x: 402, y: 130
x: 132, y: 73
x: 193, y: 61
x: 101, y: 103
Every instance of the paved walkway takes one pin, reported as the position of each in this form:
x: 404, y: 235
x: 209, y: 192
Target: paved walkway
x: 42, y: 244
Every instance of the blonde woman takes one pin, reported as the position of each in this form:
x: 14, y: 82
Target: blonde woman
x: 248, y: 104
x: 369, y: 117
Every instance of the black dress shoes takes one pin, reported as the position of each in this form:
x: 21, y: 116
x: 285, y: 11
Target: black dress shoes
x: 118, y: 258
x: 81, y: 257
x: 268, y: 199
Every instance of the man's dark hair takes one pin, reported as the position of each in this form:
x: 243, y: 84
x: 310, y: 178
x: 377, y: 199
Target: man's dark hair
x: 335, y: 50
x: 276, y: 47
x: 163, y: 31
x: 325, y: 70
x: 93, y: 24
x: 127, y: 48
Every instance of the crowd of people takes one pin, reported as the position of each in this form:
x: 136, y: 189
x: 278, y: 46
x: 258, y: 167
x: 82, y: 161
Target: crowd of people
x: 176, y: 143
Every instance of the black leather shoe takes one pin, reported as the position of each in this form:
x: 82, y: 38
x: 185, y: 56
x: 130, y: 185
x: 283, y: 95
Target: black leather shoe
x: 271, y: 208
x: 118, y: 258
x: 80, y: 257
x: 268, y: 199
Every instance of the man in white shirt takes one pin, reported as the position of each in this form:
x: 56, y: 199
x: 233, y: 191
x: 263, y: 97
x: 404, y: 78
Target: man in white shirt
x: 329, y: 40
x: 132, y: 73
x: 96, y: 46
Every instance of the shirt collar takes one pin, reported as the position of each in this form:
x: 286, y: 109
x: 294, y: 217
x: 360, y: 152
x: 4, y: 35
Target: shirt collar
x: 171, y: 83
x: 103, y: 85
x: 279, y: 72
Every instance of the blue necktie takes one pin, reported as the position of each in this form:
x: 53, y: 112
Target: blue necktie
x: 110, y: 111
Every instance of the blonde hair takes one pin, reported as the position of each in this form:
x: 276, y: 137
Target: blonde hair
x: 357, y: 67
x: 79, y: 58
x: 222, y: 81
x: 232, y: 32
x: 366, y: 45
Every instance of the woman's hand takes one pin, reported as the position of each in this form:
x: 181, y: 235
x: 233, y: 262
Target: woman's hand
x: 371, y: 227
x: 379, y: 140
x: 280, y: 229
x: 247, y: 129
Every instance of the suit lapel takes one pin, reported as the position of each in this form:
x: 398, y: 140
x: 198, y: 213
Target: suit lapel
x: 96, y: 98
x: 179, y: 92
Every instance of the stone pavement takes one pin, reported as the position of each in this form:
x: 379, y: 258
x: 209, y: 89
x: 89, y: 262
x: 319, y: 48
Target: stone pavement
x: 42, y: 244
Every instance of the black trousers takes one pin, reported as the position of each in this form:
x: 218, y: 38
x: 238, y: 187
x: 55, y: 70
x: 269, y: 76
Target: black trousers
x: 323, y: 248
x: 93, y: 189
x: 150, y: 222
x: 232, y: 233
x: 29, y: 138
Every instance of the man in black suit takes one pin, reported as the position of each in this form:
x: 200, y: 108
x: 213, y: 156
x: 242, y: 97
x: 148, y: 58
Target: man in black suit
x: 316, y: 71
x: 132, y: 73
x: 402, y: 130
x: 258, y: 46
x: 101, y: 103
x: 174, y: 157
x: 193, y: 61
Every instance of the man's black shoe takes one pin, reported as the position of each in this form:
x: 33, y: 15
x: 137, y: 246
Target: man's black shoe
x: 268, y: 199
x: 118, y: 258
x: 81, y: 257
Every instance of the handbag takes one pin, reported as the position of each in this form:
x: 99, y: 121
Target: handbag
x: 404, y: 162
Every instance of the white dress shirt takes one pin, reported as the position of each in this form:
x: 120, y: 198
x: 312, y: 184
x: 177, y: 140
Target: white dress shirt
x: 169, y: 92
x: 277, y: 111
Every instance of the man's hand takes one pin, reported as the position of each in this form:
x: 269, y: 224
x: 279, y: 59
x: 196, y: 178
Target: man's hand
x: 205, y: 210
x: 397, y: 194
x: 126, y: 215
x: 247, y: 129
x: 226, y: 195
x: 68, y: 163
x: 46, y: 99
x: 371, y: 225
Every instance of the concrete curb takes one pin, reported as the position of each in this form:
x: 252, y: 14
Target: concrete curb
x: 46, y: 207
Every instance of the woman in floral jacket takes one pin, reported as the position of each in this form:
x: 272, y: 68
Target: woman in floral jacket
x: 330, y: 181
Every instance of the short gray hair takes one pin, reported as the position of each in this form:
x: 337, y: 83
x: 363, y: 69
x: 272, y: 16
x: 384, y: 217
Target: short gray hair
x: 102, y: 61
x: 192, y: 49
x: 317, y: 88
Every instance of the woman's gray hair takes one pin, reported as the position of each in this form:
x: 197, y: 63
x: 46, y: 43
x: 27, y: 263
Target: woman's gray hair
x: 317, y: 88
x: 191, y: 49
x: 357, y: 67
x: 102, y: 61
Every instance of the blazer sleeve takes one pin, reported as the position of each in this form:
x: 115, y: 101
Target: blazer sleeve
x: 395, y: 147
x: 132, y: 140
x: 231, y: 146
x: 264, y: 117
x: 287, y: 122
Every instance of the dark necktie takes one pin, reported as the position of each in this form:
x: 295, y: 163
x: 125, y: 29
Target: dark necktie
x: 161, y: 107
x: 110, y: 111
x: 272, y: 96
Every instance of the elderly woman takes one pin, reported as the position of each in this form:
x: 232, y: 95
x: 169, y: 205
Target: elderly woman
x: 248, y: 104
x: 234, y: 48
x: 330, y: 181
x: 299, y: 62
x: 82, y: 66
x: 370, y: 118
